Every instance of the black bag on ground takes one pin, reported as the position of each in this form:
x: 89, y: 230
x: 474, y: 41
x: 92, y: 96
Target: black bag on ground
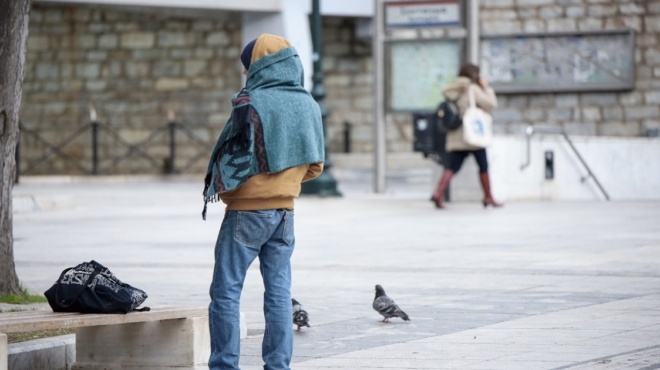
x: 448, y: 115
x: 91, y: 288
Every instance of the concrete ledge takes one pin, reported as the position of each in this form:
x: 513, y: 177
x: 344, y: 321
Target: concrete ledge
x: 56, y: 353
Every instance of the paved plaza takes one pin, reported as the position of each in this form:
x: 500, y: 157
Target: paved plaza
x: 534, y: 285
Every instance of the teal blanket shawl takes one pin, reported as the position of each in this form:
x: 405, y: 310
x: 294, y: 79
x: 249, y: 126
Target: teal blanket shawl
x: 275, y: 125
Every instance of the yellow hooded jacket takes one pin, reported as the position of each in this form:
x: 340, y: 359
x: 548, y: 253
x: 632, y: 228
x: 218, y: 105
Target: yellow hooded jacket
x: 270, y: 190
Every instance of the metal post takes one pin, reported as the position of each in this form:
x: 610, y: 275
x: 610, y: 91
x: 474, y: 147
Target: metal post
x: 473, y: 31
x: 95, y: 134
x: 347, y: 137
x: 172, y: 128
x: 95, y: 148
x: 325, y: 184
x: 379, y: 107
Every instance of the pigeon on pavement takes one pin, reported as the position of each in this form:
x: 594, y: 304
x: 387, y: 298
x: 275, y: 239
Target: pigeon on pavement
x: 385, y: 306
x: 300, y: 316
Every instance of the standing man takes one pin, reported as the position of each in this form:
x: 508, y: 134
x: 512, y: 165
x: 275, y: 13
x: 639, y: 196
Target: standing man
x: 272, y: 143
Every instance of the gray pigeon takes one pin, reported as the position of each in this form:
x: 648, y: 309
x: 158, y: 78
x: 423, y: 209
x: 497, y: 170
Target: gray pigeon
x: 386, y: 306
x: 300, y: 316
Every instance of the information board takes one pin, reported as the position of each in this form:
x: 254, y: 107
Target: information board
x: 418, y: 71
x: 596, y: 61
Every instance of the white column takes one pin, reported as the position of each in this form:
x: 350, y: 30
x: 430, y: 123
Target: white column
x: 379, y: 106
x: 473, y: 31
x: 292, y: 23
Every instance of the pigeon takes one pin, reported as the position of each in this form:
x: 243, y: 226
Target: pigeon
x: 300, y: 316
x: 386, y: 306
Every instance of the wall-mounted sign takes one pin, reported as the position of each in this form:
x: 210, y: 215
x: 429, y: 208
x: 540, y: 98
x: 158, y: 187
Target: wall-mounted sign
x: 586, y: 61
x: 422, y: 13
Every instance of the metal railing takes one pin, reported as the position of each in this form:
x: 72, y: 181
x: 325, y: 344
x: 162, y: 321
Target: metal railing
x: 136, y: 149
x: 530, y: 130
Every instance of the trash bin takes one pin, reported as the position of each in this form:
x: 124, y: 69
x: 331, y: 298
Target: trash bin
x: 429, y: 136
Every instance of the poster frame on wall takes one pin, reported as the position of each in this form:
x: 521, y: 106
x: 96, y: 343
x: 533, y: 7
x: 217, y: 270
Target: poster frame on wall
x: 561, y: 83
x: 392, y: 104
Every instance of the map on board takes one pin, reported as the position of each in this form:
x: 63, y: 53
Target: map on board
x: 551, y: 63
x: 418, y: 71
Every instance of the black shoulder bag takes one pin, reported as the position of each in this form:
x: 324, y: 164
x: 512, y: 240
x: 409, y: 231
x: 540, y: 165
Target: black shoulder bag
x: 448, y: 115
x: 91, y: 288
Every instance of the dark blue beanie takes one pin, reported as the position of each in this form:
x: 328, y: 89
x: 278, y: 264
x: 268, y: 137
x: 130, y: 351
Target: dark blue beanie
x: 246, y: 55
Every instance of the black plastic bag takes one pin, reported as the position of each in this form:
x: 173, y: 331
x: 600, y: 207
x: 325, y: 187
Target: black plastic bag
x: 91, y: 288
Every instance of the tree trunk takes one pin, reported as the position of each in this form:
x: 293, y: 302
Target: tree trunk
x: 14, y: 16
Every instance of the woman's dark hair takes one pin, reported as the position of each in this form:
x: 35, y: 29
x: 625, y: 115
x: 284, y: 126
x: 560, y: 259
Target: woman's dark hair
x: 470, y: 71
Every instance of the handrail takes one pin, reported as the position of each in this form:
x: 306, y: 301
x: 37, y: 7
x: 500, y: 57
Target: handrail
x: 530, y: 130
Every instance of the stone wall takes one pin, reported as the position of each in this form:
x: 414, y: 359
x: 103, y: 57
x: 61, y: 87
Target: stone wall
x: 134, y: 66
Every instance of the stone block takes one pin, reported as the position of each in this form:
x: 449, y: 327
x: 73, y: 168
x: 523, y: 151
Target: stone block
x: 534, y: 25
x: 96, y: 56
x: 619, y: 22
x: 166, y: 68
x: 170, y: 39
x: 652, y: 23
x: 99, y: 27
x: 96, y: 85
x: 168, y: 84
x: 562, y: 25
x: 84, y: 42
x: 631, y: 98
x: 180, y: 53
x: 506, y: 115
x: 47, y: 70
x: 108, y: 41
x: 495, y: 27
x: 575, y: 11
x: 497, y: 14
x: 38, y: 43
x: 602, y: 10
x: 534, y: 3
x: 590, y: 24
x: 579, y: 128
x: 551, y: 12
x: 534, y: 114
x: 601, y: 99
x: 619, y: 129
x: 563, y: 114
x: 652, y: 57
x: 55, y: 353
x: 218, y: 38
x: 654, y: 8
x: 87, y: 70
x: 496, y: 3
x: 641, y: 112
x: 138, y: 40
x: 612, y: 113
x: 203, y: 53
x: 4, y: 352
x: 652, y: 97
x: 591, y: 114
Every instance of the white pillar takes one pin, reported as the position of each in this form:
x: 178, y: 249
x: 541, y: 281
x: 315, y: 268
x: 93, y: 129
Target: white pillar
x: 379, y: 105
x: 292, y: 23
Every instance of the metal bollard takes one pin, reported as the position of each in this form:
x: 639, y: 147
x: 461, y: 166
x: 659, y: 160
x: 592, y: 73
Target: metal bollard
x: 347, y: 136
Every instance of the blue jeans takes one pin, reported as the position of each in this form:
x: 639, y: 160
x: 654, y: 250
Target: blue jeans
x: 244, y: 235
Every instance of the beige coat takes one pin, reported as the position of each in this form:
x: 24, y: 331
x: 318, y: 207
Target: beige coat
x: 458, y: 91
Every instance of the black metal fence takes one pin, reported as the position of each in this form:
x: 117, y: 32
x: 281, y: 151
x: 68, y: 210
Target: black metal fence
x: 102, y: 162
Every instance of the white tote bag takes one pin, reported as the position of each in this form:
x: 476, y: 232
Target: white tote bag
x: 477, y: 124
